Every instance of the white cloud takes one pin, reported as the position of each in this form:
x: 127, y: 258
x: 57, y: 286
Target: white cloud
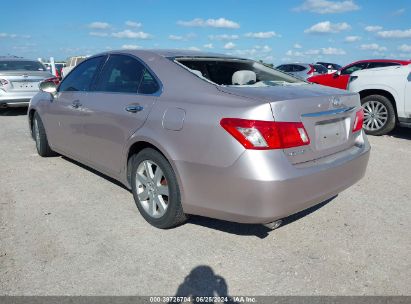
x: 395, y: 34
x: 316, y: 52
x: 130, y: 47
x: 292, y: 53
x: 297, y: 46
x: 193, y: 48
x: 352, y: 38
x: 327, y: 27
x: 133, y: 24
x: 373, y: 28
x: 223, y: 37
x: 332, y: 51
x: 181, y: 38
x: 175, y: 37
x: 372, y: 47
x: 6, y: 35
x: 264, y: 48
x: 229, y: 45
x: 262, y: 35
x: 131, y: 35
x: 312, y: 52
x: 218, y: 23
x: 98, y: 34
x: 208, y: 46
x: 328, y: 7
x: 99, y: 25
x: 399, y: 12
x: 404, y: 48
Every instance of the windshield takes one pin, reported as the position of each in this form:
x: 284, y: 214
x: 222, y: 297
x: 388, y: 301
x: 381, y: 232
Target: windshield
x: 236, y: 72
x: 21, y: 65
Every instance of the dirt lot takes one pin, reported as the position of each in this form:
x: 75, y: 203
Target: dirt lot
x: 66, y: 230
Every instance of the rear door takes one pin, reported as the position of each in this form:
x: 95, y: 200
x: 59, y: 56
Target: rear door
x: 63, y: 119
x: 119, y: 104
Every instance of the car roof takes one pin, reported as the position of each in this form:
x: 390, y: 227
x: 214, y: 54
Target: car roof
x: 16, y: 59
x: 382, y: 60
x: 173, y: 53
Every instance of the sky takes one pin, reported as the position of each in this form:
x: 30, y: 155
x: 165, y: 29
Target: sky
x: 275, y: 31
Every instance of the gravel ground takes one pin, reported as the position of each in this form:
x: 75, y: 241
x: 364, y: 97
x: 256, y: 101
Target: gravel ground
x: 67, y: 230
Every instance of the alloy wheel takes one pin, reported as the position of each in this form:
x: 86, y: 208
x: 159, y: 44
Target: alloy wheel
x: 152, y: 188
x: 375, y: 115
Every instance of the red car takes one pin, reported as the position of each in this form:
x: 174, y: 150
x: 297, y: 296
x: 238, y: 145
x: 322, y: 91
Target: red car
x: 339, y: 79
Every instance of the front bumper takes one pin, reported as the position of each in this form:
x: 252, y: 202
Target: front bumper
x: 263, y: 186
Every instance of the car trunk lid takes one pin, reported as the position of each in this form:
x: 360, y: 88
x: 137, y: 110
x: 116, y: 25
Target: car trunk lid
x: 22, y: 81
x: 327, y: 114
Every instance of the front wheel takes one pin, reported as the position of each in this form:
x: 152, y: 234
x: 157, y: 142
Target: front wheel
x: 379, y: 115
x: 39, y: 135
x: 155, y: 189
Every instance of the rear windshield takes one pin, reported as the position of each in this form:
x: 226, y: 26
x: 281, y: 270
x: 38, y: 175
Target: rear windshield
x: 21, y: 65
x: 236, y: 72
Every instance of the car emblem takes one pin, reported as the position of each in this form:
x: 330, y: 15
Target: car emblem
x: 25, y: 76
x: 335, y: 102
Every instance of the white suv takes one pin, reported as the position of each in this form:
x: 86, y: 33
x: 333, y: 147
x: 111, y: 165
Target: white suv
x: 385, y: 96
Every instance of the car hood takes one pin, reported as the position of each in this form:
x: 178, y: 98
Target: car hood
x: 277, y: 93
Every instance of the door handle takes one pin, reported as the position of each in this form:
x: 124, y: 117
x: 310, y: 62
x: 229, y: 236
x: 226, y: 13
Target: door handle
x: 76, y: 104
x: 134, y: 108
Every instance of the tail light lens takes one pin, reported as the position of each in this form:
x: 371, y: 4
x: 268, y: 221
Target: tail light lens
x: 266, y: 135
x: 311, y: 71
x: 359, y: 120
x: 56, y: 80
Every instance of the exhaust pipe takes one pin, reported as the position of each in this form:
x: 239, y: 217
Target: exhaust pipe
x: 273, y: 225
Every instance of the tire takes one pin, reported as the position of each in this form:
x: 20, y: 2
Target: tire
x: 150, y: 188
x: 39, y: 135
x: 379, y: 115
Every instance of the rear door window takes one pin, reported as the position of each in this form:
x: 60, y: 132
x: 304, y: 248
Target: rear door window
x: 82, y: 76
x: 120, y: 74
x: 373, y: 65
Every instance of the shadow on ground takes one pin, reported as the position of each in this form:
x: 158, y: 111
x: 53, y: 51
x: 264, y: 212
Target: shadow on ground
x: 13, y: 111
x: 202, y: 282
x: 402, y: 133
x: 257, y: 230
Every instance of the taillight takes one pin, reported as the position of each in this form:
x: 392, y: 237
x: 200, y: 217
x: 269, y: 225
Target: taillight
x: 312, y: 70
x: 3, y: 82
x: 359, y: 120
x: 266, y: 135
x: 55, y: 80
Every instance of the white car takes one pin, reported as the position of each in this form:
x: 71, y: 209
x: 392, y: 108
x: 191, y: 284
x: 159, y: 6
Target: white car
x: 385, y: 96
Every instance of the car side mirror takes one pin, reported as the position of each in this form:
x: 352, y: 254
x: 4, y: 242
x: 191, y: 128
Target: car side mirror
x: 49, y: 86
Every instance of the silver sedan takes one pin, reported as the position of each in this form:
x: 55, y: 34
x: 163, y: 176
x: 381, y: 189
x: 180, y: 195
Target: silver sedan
x: 203, y: 133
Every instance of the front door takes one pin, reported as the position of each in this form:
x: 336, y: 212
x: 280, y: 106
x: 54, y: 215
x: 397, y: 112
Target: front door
x: 116, y: 108
x: 64, y: 117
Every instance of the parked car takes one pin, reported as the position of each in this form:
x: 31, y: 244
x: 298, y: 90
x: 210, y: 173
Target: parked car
x: 70, y: 64
x: 19, y: 80
x: 203, y: 133
x: 340, y: 78
x: 302, y: 70
x: 385, y: 96
x: 59, y: 66
x: 331, y: 67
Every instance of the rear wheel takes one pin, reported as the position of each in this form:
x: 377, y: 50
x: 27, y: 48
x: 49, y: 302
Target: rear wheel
x: 155, y: 189
x: 39, y: 135
x: 379, y: 115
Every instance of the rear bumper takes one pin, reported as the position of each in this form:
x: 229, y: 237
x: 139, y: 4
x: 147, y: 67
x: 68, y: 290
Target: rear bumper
x: 15, y: 99
x: 263, y: 186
